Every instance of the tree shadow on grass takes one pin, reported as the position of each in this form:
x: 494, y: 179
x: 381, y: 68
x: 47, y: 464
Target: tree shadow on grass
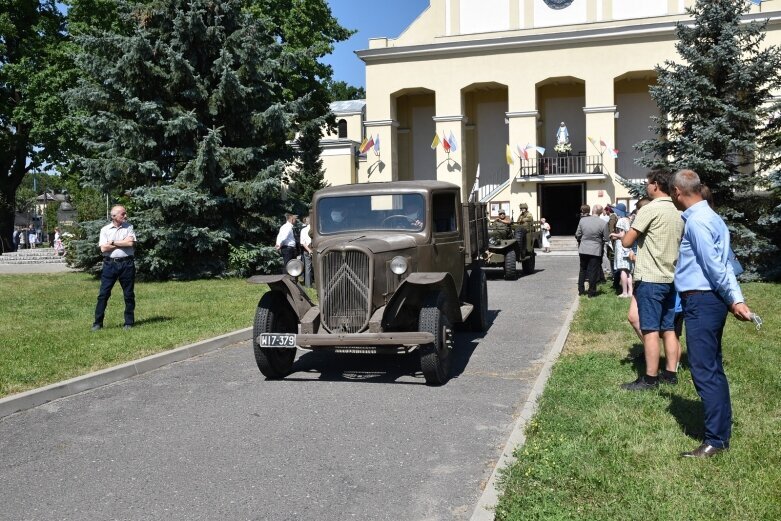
x: 688, y: 413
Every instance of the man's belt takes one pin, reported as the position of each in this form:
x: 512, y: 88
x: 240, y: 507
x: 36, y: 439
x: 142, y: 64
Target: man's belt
x: 685, y: 294
x: 118, y: 259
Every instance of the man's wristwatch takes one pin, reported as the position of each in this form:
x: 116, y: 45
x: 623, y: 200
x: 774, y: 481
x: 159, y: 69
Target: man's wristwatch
x: 112, y: 243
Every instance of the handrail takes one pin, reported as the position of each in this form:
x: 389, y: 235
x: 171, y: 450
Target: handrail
x: 563, y: 165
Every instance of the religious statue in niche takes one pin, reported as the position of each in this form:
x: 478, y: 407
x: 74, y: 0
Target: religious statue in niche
x: 558, y: 4
x: 563, y: 146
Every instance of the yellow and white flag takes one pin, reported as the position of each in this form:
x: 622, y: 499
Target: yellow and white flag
x: 509, y: 155
x: 435, y: 143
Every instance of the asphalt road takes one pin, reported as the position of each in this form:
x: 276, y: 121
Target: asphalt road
x: 344, y: 437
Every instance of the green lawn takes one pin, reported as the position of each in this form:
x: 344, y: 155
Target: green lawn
x: 45, y: 323
x: 596, y: 452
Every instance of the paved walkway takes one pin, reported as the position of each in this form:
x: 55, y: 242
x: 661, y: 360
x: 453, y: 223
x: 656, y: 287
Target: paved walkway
x: 345, y: 436
x: 10, y: 269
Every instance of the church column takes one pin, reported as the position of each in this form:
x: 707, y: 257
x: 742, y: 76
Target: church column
x: 450, y: 166
x: 600, y: 112
x: 385, y: 166
x: 449, y: 119
x: 522, y: 118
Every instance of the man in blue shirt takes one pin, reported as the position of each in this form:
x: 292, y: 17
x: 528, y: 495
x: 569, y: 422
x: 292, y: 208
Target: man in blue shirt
x: 709, y: 290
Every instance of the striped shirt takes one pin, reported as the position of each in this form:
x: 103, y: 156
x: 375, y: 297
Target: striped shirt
x: 661, y: 228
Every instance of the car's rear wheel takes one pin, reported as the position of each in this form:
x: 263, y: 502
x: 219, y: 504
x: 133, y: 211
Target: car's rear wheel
x: 274, y: 316
x: 510, y: 265
x: 435, y: 357
x: 477, y: 295
x: 528, y: 264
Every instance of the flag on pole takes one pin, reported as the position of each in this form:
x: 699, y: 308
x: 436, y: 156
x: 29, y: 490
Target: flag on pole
x: 445, y: 144
x: 476, y: 186
x: 591, y: 140
x: 602, y: 142
x: 522, y: 152
x: 508, y: 155
x: 540, y: 150
x: 452, y: 140
x: 363, y: 145
x: 367, y: 144
x: 435, y: 143
x: 377, y: 145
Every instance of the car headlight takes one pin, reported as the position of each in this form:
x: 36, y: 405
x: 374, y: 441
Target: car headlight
x: 398, y: 265
x: 294, y: 267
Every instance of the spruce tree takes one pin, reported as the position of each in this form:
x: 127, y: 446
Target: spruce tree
x: 714, y: 115
x: 188, y: 110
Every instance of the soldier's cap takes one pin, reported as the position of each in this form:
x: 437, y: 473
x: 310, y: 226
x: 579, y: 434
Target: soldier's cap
x: 523, y: 205
x: 501, y: 212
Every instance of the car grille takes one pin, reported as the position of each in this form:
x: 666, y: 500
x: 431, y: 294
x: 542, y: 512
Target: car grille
x: 346, y: 298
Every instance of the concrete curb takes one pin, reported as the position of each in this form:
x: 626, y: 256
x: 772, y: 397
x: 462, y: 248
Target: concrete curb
x: 28, y: 400
x: 484, y: 511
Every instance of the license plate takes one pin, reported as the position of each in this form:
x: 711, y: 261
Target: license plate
x: 284, y: 340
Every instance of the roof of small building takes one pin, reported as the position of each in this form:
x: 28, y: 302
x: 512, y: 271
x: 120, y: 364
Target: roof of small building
x: 348, y: 106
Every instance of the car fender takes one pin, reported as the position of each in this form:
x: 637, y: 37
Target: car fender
x: 413, y: 291
x: 294, y: 293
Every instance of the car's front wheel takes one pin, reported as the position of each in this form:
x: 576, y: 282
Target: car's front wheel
x: 510, y: 267
x: 274, y: 316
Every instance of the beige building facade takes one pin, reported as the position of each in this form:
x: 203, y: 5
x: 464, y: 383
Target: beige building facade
x: 489, y: 74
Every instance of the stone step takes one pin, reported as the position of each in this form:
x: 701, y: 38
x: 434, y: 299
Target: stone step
x: 34, y: 256
x: 563, y: 243
x: 52, y: 260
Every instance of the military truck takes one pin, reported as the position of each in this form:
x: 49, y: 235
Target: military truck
x: 509, y: 244
x: 397, y: 266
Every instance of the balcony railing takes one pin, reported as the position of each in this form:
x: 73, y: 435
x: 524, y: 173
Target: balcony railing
x: 564, y: 165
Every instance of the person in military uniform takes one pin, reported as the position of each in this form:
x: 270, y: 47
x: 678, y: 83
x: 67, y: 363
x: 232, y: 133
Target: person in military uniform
x: 525, y: 218
x: 502, y: 218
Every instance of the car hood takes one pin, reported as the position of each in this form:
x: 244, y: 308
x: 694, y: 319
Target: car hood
x: 373, y: 242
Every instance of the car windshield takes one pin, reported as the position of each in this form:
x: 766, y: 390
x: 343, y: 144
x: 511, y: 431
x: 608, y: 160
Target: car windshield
x: 339, y: 214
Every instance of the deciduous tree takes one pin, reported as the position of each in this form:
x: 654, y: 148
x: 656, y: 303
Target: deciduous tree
x: 33, y: 72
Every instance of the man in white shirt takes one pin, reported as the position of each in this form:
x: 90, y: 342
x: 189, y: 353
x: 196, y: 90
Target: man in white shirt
x: 117, y: 243
x: 306, y: 253
x: 286, y: 240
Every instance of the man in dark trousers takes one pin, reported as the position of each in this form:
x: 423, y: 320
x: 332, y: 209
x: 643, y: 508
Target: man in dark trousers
x: 705, y: 279
x: 117, y: 243
x: 591, y: 235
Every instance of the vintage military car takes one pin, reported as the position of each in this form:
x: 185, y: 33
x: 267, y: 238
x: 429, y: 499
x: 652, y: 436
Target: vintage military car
x: 396, y: 264
x: 509, y: 244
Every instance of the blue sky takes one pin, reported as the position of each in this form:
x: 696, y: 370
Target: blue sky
x: 371, y: 20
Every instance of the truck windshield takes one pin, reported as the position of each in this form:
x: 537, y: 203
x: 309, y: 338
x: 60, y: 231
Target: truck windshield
x: 340, y: 214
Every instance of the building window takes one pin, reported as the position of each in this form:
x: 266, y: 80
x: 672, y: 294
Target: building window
x: 497, y: 206
x: 342, y: 124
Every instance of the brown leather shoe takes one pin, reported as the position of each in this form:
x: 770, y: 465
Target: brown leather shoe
x: 703, y: 451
